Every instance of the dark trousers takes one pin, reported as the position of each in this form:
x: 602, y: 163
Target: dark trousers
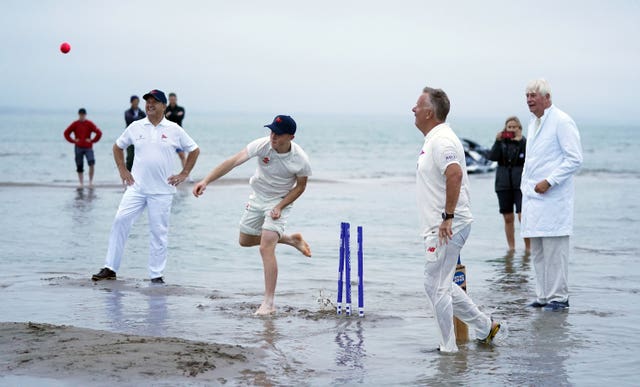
x: 130, y: 153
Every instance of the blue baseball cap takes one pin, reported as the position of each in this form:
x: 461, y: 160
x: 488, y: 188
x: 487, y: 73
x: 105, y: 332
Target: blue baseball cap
x: 282, y: 125
x: 157, y: 95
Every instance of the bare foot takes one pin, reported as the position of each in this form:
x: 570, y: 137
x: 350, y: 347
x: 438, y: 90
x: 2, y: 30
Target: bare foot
x: 300, y: 244
x: 265, y: 310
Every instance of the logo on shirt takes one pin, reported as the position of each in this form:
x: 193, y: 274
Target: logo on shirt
x: 431, y: 249
x: 164, y: 137
x: 450, y: 156
x: 266, y: 160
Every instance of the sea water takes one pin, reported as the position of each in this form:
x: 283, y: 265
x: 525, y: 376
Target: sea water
x: 54, y: 236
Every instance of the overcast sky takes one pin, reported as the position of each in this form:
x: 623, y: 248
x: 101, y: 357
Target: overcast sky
x: 324, y: 56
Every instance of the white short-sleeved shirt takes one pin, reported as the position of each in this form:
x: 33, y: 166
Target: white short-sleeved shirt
x: 441, y: 148
x: 155, y: 153
x: 277, y: 172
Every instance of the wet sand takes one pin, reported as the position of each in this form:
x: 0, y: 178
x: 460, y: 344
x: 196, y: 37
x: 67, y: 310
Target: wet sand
x: 80, y: 355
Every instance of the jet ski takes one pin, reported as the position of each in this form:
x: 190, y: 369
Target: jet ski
x: 477, y: 157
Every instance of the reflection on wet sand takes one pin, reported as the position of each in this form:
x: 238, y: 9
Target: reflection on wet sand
x: 451, y: 369
x: 350, y: 353
x: 269, y: 338
x: 153, y: 323
x: 509, y: 261
x: 157, y: 314
x: 539, y: 339
x: 82, y: 205
x: 512, y: 280
x: 269, y: 335
x: 113, y: 310
x: 545, y: 346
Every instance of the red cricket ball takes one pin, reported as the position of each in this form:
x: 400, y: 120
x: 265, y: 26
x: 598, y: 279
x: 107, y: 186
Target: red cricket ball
x: 65, y: 47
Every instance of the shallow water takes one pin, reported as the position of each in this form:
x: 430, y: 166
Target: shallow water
x: 54, y: 237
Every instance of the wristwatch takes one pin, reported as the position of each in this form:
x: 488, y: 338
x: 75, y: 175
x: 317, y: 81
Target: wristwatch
x: 446, y: 216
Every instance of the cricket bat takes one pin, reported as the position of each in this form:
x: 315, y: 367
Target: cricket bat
x: 460, y: 278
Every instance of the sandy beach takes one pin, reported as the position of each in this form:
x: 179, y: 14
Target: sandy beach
x: 80, y: 355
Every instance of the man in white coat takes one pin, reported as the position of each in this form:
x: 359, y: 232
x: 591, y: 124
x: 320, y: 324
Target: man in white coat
x: 553, y: 157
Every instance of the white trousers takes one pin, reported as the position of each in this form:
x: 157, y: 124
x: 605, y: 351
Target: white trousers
x: 448, y: 299
x: 551, y: 262
x: 131, y: 206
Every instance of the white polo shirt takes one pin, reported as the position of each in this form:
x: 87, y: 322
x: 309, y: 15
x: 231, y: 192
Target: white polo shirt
x: 277, y: 172
x: 441, y: 148
x: 155, y: 153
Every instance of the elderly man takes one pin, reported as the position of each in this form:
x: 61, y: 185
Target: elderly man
x: 445, y: 215
x: 553, y: 157
x: 151, y: 183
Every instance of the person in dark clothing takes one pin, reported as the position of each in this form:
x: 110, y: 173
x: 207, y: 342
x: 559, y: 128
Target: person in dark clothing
x: 509, y: 151
x: 132, y: 114
x: 175, y: 114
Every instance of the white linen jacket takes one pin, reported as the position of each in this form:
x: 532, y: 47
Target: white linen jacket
x: 553, y: 153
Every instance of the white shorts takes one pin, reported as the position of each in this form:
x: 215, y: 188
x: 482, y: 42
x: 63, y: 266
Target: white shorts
x: 257, y: 216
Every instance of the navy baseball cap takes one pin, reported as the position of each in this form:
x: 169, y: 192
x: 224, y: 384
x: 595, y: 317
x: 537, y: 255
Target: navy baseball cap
x: 282, y: 125
x: 133, y: 97
x: 157, y: 95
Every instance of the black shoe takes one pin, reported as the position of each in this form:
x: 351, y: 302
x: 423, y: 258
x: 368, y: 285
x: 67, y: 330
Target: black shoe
x: 536, y: 304
x: 157, y: 280
x: 104, y: 274
x: 557, y: 305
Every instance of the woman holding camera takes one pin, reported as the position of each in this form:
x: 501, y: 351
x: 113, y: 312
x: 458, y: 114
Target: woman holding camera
x: 509, y: 152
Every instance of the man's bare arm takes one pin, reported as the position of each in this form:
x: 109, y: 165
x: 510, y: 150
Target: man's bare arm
x: 221, y: 170
x: 453, y: 177
x: 186, y: 170
x: 292, y: 196
x: 125, y: 175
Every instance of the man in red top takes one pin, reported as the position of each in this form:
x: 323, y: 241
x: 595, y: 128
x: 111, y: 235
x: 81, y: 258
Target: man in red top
x: 82, y: 130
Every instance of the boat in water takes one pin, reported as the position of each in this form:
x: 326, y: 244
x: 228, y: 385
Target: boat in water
x: 477, y: 157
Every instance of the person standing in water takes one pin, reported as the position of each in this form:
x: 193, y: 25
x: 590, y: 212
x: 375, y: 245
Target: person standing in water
x: 445, y: 217
x: 82, y: 130
x: 554, y: 156
x: 151, y: 184
x: 279, y: 180
x: 509, y: 151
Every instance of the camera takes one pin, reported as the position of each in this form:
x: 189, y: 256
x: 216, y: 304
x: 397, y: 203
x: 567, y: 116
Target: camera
x: 508, y: 135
